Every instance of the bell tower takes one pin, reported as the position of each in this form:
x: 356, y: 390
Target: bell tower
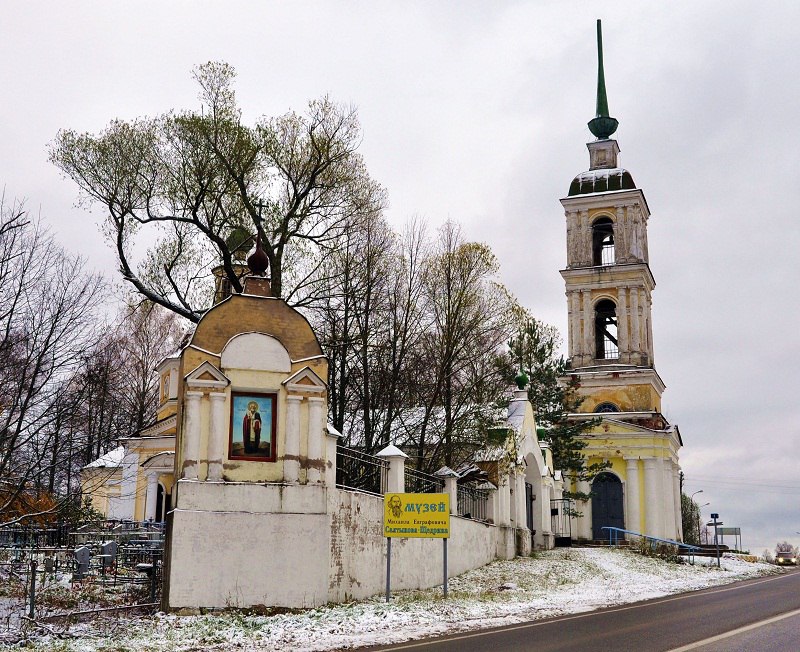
x: 609, y: 288
x: 608, y: 280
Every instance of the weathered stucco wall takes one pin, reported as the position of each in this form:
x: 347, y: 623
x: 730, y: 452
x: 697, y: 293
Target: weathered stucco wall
x: 358, y: 549
x: 275, y: 553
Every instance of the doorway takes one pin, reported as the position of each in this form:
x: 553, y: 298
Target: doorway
x: 608, y: 509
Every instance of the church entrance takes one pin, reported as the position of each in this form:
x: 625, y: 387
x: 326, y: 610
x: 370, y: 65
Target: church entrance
x: 607, y: 506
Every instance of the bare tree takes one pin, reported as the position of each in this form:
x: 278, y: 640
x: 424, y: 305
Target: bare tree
x: 472, y: 318
x: 48, y: 306
x: 195, y: 183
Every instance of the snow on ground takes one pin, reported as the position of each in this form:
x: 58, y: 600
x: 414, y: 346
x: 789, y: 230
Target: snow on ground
x: 552, y: 583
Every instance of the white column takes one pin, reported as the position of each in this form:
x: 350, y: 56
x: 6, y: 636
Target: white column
x: 645, y: 254
x: 396, y: 475
x: 576, y: 349
x: 676, y: 495
x: 571, y: 239
x: 635, y: 330
x: 518, y: 512
x: 217, y: 436
x: 633, y: 520
x: 588, y: 325
x: 130, y: 470
x: 570, y: 325
x: 546, y: 518
x: 152, y: 493
x: 652, y: 477
x: 585, y: 239
x: 493, y: 505
x: 451, y: 489
x: 668, y: 501
x: 626, y: 230
x: 619, y: 235
x: 191, y: 434
x: 331, y: 443
x: 291, y: 457
x: 649, y: 327
x: 316, y: 461
x: 585, y: 521
x: 622, y: 322
x: 504, y: 503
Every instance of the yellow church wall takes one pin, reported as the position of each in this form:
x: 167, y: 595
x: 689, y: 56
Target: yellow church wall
x: 98, y: 485
x: 241, y: 314
x: 629, y: 398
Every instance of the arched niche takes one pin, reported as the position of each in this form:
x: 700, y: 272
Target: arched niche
x: 256, y: 351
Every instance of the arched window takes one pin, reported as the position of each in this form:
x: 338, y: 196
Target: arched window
x: 603, y: 242
x: 605, y: 330
x: 606, y: 407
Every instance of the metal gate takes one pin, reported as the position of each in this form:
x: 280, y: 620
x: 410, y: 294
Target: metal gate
x: 529, y: 498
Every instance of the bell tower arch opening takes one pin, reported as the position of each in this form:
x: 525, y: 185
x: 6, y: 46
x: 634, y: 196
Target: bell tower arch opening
x: 605, y: 330
x: 603, y: 242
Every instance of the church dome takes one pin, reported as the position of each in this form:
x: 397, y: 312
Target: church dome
x: 601, y: 180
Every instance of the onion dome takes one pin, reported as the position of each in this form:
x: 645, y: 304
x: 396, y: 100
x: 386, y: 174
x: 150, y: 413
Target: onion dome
x: 258, y: 262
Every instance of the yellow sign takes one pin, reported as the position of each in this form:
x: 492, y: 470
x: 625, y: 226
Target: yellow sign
x: 416, y: 515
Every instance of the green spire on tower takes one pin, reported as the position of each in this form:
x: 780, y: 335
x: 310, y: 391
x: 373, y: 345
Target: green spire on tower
x: 602, y: 125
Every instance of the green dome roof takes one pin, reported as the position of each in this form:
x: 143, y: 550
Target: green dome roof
x: 602, y: 180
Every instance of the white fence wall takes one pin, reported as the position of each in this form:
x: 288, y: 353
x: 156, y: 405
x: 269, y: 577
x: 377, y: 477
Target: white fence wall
x: 358, y: 549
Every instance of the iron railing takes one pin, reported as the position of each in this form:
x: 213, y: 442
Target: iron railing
x: 418, y: 482
x: 617, y: 534
x: 472, y: 502
x: 360, y: 471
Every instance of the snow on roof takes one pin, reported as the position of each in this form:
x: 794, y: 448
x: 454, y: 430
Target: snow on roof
x: 111, y: 460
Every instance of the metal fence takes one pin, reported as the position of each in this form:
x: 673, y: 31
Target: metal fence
x: 418, y: 482
x: 472, y: 502
x: 35, y: 537
x: 49, y: 583
x: 359, y: 471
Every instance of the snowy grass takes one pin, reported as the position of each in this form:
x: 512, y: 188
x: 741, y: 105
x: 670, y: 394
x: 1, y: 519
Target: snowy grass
x: 552, y: 583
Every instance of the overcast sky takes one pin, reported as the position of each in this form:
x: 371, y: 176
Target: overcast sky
x: 477, y: 111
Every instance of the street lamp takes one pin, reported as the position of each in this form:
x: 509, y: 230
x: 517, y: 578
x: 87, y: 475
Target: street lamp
x: 698, y: 519
x: 691, y: 502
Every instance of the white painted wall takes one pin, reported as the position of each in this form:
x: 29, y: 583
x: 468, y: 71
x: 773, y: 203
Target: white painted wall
x: 358, y: 549
x: 302, y: 546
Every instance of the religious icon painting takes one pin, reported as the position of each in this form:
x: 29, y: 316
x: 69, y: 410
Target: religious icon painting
x: 253, y: 432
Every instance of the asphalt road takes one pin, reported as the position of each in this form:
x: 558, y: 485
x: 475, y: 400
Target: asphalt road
x: 761, y: 615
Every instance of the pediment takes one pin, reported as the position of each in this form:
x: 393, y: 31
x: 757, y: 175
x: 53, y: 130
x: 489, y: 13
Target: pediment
x: 207, y: 375
x: 305, y: 380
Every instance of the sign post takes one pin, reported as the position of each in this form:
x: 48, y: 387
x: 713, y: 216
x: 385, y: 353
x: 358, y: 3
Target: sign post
x: 415, y: 516
x: 716, y: 523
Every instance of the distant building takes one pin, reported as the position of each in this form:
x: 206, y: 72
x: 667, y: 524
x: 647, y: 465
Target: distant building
x: 134, y: 481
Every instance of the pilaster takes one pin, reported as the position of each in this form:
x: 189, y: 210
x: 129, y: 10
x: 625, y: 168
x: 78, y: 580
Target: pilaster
x: 291, y: 461
x: 191, y: 434
x: 633, y: 520
x: 152, y: 494
x: 217, y: 436
x: 315, y: 425
x: 652, y: 497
